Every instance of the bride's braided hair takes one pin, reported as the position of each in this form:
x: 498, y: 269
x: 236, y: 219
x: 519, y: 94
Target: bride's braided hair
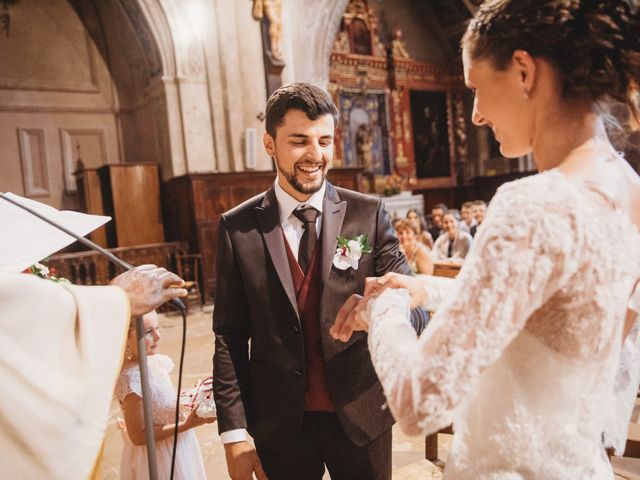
x: 593, y: 44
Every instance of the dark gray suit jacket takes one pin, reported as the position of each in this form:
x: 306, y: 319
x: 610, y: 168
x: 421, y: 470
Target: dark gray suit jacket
x: 259, y: 363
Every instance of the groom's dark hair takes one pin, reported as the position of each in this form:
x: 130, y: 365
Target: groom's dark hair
x: 313, y: 101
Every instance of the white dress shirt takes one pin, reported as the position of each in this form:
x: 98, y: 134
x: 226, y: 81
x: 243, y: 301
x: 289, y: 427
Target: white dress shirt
x: 291, y: 225
x: 293, y: 231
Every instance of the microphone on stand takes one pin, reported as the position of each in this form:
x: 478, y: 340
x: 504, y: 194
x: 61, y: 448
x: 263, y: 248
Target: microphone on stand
x: 142, y: 353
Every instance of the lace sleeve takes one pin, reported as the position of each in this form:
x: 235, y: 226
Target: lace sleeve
x: 438, y: 288
x: 520, y: 257
x: 128, y: 382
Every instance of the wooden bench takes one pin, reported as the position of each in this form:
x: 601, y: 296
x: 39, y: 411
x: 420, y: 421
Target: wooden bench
x: 446, y: 269
x: 632, y: 449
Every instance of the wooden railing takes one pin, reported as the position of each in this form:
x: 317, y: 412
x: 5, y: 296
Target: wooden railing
x: 92, y: 268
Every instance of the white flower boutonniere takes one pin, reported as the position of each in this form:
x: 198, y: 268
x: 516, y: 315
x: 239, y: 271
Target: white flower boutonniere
x: 349, y: 252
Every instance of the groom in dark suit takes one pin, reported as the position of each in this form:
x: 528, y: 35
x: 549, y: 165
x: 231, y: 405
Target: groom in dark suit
x: 308, y: 401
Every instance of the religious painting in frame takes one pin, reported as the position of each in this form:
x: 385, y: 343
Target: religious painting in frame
x: 431, y: 136
x: 365, y: 133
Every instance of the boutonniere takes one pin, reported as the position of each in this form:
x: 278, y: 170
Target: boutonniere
x: 349, y: 252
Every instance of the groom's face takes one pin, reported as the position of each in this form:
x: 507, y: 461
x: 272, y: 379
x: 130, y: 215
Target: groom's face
x: 303, y: 152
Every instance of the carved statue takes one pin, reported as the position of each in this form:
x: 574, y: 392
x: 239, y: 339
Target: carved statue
x: 341, y: 44
x: 273, y: 11
x: 379, y: 48
x: 401, y: 160
x: 364, y: 146
x: 257, y: 11
x: 397, y: 45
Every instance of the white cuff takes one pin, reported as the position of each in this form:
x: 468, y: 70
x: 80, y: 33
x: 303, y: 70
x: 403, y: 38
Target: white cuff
x: 232, y: 436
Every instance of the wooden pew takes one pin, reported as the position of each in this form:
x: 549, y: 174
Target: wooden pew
x: 446, y: 269
x: 632, y: 448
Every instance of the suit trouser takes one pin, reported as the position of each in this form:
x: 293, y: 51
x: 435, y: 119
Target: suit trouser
x: 324, y: 443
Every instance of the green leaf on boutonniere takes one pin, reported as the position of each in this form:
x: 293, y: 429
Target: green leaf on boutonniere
x: 342, y: 242
x: 363, y: 240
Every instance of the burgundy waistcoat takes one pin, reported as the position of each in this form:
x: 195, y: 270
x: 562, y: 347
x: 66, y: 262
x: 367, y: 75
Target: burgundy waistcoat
x: 308, y: 290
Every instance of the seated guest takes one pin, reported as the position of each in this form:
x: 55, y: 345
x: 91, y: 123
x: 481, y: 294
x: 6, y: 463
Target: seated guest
x: 479, y: 210
x: 418, y: 255
x: 435, y: 228
x: 453, y: 244
x: 420, y: 227
x: 468, y: 221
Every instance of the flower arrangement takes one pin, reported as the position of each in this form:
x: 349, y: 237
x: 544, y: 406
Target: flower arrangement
x: 392, y: 185
x: 348, y: 252
x: 45, y: 272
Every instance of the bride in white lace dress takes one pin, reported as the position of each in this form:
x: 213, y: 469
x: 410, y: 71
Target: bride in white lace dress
x: 523, y: 350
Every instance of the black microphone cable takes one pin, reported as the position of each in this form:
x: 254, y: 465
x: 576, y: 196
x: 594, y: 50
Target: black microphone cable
x: 183, y: 311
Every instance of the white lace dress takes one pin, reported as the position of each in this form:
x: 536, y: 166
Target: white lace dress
x: 134, y: 465
x: 522, y: 353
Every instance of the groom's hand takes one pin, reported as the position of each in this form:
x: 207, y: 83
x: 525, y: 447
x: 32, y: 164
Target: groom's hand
x: 350, y: 318
x: 374, y: 286
x: 243, y: 461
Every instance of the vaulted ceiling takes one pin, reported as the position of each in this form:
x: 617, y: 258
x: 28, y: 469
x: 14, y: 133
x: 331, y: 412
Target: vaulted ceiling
x: 451, y: 17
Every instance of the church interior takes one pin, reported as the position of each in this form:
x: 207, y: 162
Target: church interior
x: 152, y: 112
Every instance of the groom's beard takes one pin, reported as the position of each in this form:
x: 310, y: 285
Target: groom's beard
x: 296, y: 183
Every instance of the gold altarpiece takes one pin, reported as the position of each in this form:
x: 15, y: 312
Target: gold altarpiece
x: 399, y: 117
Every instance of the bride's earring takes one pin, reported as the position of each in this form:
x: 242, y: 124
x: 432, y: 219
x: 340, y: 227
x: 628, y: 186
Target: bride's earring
x: 128, y: 353
x: 525, y: 94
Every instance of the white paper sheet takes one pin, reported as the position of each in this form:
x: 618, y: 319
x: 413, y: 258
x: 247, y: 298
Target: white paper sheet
x: 26, y: 239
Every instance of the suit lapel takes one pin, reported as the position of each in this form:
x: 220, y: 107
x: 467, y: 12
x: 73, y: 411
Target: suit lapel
x: 269, y: 220
x: 332, y: 218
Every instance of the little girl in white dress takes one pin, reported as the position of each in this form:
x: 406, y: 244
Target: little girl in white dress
x: 188, y: 465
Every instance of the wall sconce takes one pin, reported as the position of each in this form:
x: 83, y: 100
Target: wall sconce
x: 5, y: 17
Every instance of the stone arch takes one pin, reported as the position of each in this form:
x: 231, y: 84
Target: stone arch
x: 331, y: 30
x: 318, y: 32
x: 135, y: 39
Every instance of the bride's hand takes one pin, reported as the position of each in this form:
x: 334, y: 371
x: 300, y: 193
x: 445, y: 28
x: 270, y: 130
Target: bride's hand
x: 351, y: 317
x: 374, y: 286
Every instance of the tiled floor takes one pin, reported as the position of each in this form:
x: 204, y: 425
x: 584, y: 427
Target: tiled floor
x: 408, y: 452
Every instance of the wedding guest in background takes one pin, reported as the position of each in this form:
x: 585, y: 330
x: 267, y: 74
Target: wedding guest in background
x: 479, y: 211
x: 417, y: 254
x: 435, y: 226
x: 468, y: 221
x: 133, y: 465
x: 453, y: 244
x: 420, y: 227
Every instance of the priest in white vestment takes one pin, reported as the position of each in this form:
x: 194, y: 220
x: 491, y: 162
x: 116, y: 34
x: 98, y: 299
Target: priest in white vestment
x: 62, y: 347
